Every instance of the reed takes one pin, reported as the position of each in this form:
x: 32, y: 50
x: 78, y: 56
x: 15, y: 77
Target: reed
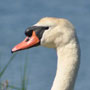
x: 24, y: 80
x: 6, y: 66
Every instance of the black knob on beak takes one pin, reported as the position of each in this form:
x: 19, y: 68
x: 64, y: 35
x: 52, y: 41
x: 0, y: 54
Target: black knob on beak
x: 28, y: 32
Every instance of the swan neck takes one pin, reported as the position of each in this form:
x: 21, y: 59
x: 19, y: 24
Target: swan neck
x: 67, y: 67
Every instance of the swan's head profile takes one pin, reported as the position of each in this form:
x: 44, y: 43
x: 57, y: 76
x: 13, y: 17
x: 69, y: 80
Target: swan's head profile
x: 56, y: 33
x: 48, y: 32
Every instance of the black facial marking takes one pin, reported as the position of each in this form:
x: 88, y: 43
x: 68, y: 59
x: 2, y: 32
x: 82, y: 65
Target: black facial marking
x: 38, y: 30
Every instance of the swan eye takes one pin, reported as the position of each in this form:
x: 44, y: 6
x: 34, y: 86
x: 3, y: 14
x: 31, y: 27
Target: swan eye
x: 45, y: 28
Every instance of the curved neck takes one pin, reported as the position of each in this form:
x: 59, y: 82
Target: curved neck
x: 67, y: 67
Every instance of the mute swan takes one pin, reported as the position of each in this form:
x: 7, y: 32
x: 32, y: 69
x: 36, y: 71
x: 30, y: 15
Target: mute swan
x: 60, y: 34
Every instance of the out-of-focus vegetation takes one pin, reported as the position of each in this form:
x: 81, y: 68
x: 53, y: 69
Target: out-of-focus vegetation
x: 4, y: 85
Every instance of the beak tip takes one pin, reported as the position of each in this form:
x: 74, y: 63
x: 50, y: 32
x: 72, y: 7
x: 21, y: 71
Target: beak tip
x: 13, y: 50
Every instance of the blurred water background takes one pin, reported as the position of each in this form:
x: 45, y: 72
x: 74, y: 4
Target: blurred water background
x: 17, y: 15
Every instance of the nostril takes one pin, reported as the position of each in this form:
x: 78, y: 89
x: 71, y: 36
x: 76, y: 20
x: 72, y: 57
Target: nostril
x: 28, y: 32
x: 27, y: 39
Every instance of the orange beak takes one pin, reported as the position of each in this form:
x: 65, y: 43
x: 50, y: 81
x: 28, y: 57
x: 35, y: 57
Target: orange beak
x: 27, y: 43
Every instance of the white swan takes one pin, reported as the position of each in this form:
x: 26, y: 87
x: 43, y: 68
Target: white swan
x: 56, y: 33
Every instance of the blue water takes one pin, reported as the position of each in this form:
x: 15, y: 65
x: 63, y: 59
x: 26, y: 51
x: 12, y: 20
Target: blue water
x: 17, y: 15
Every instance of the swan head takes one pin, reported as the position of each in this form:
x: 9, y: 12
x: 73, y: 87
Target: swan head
x: 48, y: 32
x: 60, y: 32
